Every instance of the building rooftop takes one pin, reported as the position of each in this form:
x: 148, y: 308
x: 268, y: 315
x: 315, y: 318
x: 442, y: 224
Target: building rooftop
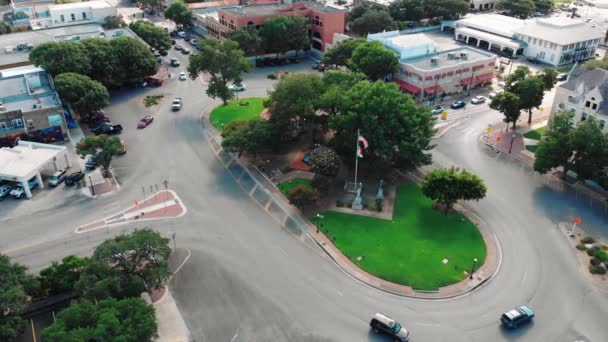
x: 498, y: 24
x: 92, y: 4
x: 212, y: 4
x: 27, y: 88
x: 560, y: 30
x: 583, y: 81
x: 276, y: 9
x: 444, y: 59
x: 25, y: 158
x: 75, y: 32
x: 408, y: 40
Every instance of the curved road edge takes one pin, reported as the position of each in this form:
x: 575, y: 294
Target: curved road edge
x: 481, y: 277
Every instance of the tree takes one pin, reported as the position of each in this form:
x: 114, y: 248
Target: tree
x: 127, y: 320
x: 62, y: 277
x: 446, y: 186
x: 591, y: 146
x: 446, y: 9
x: 518, y: 8
x: 154, y: 35
x: 373, y: 22
x: 15, y: 285
x: 273, y: 34
x: 102, y: 147
x: 302, y: 195
x: 342, y: 79
x: 248, y: 40
x: 247, y: 137
x: 223, y: 61
x: 294, y: 96
x: 511, y: 81
x: 342, y: 52
x: 99, y: 280
x: 530, y: 92
x: 407, y: 10
x: 322, y: 184
x: 362, y: 8
x: 374, y: 60
x: 549, y: 77
x: 297, y: 34
x: 103, y: 60
x: 61, y: 57
x: 543, y: 6
x: 325, y: 161
x: 508, y: 104
x: 113, y: 22
x: 399, y: 132
x: 84, y: 94
x: 555, y: 149
x: 134, y: 60
x: 179, y: 13
x: 597, y: 63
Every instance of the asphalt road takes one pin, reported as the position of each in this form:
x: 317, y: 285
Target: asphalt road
x: 250, y: 280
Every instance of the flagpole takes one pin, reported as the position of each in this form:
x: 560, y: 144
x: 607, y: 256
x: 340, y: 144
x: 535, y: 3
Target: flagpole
x: 356, y: 159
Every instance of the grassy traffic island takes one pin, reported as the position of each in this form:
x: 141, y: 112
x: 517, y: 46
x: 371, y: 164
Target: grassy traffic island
x: 420, y: 247
x: 242, y: 109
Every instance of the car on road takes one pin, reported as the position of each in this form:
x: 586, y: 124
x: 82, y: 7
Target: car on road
x: 458, y: 105
x: 145, y: 121
x: 107, y: 128
x: 176, y: 104
x: 562, y: 77
x: 193, y: 42
x: 478, y: 99
x: 95, y: 118
x: 517, y: 316
x: 388, y: 326
x: 178, y: 46
x: 57, y: 178
x: 91, y: 163
x: 153, y: 81
x: 174, y: 62
x: 492, y: 95
x: 123, y: 148
x: 185, y: 51
x: 5, y: 190
x: 73, y: 178
x: 181, y: 34
x: 19, y: 192
x: 182, y: 76
x: 437, y: 110
x: 238, y: 87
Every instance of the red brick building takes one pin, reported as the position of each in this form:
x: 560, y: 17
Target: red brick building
x: 323, y: 20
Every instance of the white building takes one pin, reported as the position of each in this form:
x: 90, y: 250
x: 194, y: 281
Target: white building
x: 586, y: 94
x: 482, y: 5
x: 554, y: 41
x: 81, y: 12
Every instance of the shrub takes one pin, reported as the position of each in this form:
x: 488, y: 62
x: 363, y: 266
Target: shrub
x: 595, y: 261
x: 587, y: 239
x: 603, y: 256
x: 604, y: 247
x: 272, y: 77
x: 597, y: 269
x: 322, y: 184
x: 301, y: 196
x: 581, y: 247
x: 325, y: 161
x: 591, y: 251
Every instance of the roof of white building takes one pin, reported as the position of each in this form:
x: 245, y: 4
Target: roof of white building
x: 26, y: 158
x: 91, y: 4
x: 581, y: 82
x: 560, y: 30
x: 497, y: 24
x: 408, y: 40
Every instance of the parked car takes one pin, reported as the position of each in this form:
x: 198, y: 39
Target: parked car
x: 5, y: 190
x: 437, y: 110
x: 492, y: 95
x: 478, y: 99
x: 516, y: 317
x: 294, y: 60
x: 57, y: 178
x: 91, y: 163
x: 193, y: 42
x: 182, y: 76
x: 178, y: 46
x: 145, y: 121
x: 123, y: 148
x: 108, y: 129
x: 95, y: 117
x: 238, y: 87
x: 19, y: 192
x: 181, y: 34
x: 74, y: 177
x: 173, y: 42
x: 174, y: 62
x: 533, y: 60
x: 153, y: 81
x: 388, y: 326
x: 268, y: 61
x: 562, y: 77
x: 458, y: 105
x: 176, y: 104
x: 259, y: 63
x: 185, y: 51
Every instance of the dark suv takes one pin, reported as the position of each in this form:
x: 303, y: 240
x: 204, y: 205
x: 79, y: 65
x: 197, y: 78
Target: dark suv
x: 381, y: 323
x: 516, y: 317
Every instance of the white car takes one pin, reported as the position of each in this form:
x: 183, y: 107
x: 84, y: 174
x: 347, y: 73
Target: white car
x: 182, y: 76
x: 478, y: 99
x: 176, y: 104
x: 492, y: 95
x: 238, y: 87
x: 182, y: 34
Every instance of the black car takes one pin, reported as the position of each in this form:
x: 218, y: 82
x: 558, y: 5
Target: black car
x: 517, y: 316
x: 91, y: 164
x: 533, y: 60
x: 107, y: 128
x: 388, y: 326
x: 562, y: 77
x: 458, y: 105
x: 259, y: 63
x: 73, y: 178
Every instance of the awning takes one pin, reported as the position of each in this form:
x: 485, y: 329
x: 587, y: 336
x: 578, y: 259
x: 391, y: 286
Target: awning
x: 432, y: 90
x: 407, y: 86
x: 478, y: 79
x: 490, y: 37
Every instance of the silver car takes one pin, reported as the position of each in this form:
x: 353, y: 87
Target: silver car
x: 478, y: 99
x: 384, y: 324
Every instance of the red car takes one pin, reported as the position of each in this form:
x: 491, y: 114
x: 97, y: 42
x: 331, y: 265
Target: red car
x: 145, y: 121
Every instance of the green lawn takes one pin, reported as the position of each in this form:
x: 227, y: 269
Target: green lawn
x: 535, y: 134
x: 285, y: 187
x: 223, y: 115
x: 409, y: 250
x: 531, y: 148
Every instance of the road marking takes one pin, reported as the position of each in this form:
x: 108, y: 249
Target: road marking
x: 284, y: 252
x: 235, y: 336
x: 33, y: 331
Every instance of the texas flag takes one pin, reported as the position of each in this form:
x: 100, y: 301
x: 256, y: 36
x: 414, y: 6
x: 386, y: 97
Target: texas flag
x: 362, y: 144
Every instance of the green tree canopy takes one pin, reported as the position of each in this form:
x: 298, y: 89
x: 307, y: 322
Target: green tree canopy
x: 543, y: 6
x: 531, y: 92
x: 223, y: 61
x: 407, y: 10
x: 341, y: 53
x: 126, y: 320
x: 249, y: 41
x: 519, y: 8
x: 15, y: 285
x: 154, y: 35
x: 113, y: 22
x: 103, y: 60
x: 84, y: 94
x: 62, y: 276
x: 179, y: 13
x: 297, y: 34
x: 446, y: 9
x: 555, y: 149
x: 325, y: 161
x: 362, y: 8
x: 374, y: 60
x: 343, y: 79
x: 549, y: 77
x: 373, y: 21
x: 294, y: 95
x: 134, y: 60
x: 302, y: 196
x: 273, y: 34
x: 61, y: 57
x: 446, y: 186
x: 399, y: 132
x: 247, y: 137
x: 591, y: 146
x: 99, y: 280
x: 102, y: 147
x: 508, y: 104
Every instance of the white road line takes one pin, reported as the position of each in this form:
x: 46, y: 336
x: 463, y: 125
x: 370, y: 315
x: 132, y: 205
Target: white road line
x: 235, y: 336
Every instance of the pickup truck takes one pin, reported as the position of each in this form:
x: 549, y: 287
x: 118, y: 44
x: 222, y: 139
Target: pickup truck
x: 153, y: 81
x: 19, y: 192
x: 108, y: 129
x: 176, y: 104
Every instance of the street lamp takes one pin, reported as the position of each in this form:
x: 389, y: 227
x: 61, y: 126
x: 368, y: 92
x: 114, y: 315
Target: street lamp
x: 473, y: 268
x: 512, y: 140
x: 318, y: 222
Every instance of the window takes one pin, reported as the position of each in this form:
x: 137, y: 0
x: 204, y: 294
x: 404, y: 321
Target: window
x: 17, y: 122
x: 2, y: 124
x: 62, y: 18
x: 84, y: 16
x: 594, y: 106
x: 602, y: 124
x: 584, y: 117
x: 534, y: 41
x: 587, y: 104
x: 30, y: 123
x: 73, y: 16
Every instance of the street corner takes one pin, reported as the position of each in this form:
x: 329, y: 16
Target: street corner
x: 162, y: 205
